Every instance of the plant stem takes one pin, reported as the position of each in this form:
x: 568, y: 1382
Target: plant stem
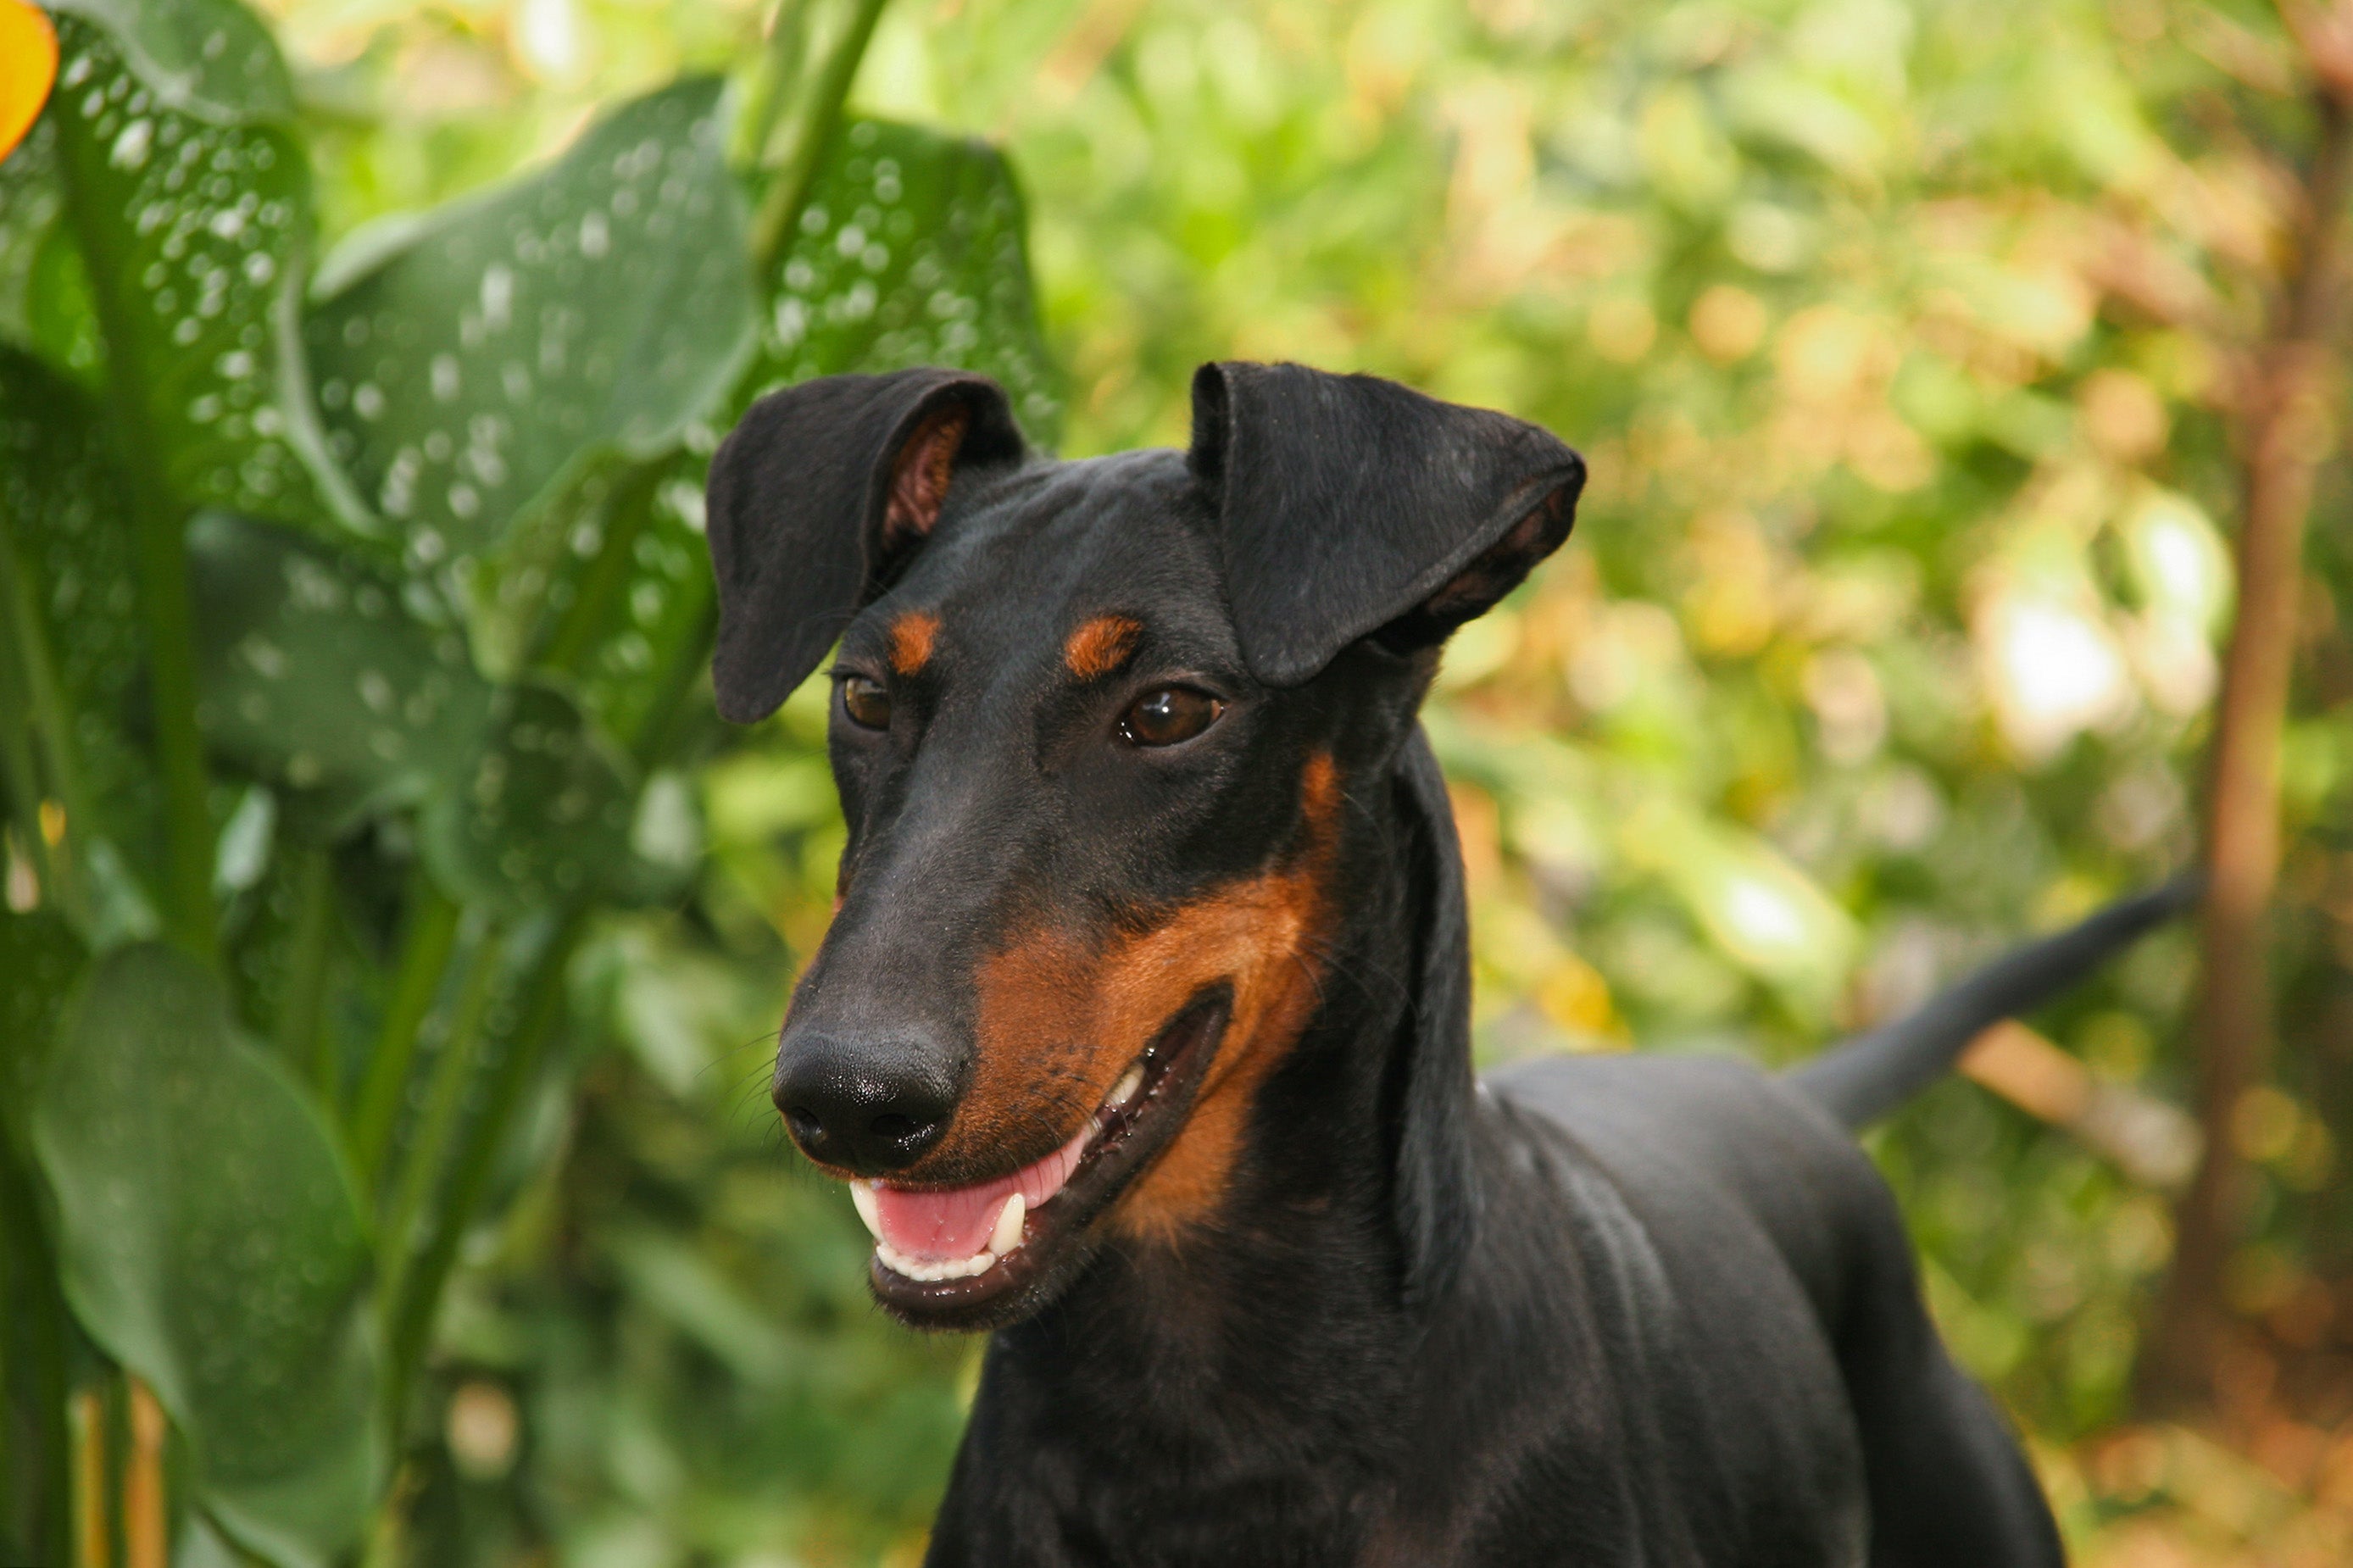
x: 19, y: 771
x: 626, y: 513
x: 419, y: 1302
x: 779, y: 72
x: 33, y: 669
x: 2289, y: 423
x: 424, y: 951
x: 179, y: 751
x: 444, y: 1098
x: 301, y: 1039
x: 657, y: 737
x: 145, y: 1534
x: 89, y: 1425
x: 808, y: 137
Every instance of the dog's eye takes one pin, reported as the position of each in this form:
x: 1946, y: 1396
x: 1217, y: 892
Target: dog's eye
x: 1168, y: 715
x: 866, y: 702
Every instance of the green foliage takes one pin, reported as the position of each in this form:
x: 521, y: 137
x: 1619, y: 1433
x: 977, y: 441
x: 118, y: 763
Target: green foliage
x: 211, y: 1239
x: 80, y: 641
x: 317, y: 675
x: 188, y: 198
x: 468, y: 362
x: 354, y: 636
x: 540, y: 813
x: 869, y: 281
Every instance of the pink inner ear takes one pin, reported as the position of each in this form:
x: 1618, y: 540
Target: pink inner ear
x: 919, y: 480
x: 1506, y: 561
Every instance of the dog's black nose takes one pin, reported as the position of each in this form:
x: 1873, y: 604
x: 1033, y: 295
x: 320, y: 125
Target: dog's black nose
x: 867, y: 1106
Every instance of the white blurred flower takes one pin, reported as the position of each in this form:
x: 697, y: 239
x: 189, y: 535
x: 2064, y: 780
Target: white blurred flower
x: 2054, y: 669
x: 549, y: 40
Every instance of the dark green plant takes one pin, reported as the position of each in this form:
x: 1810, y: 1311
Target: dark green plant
x: 355, y: 617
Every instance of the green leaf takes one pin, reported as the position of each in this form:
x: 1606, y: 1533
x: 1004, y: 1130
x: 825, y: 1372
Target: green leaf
x: 639, y: 600
x: 913, y: 250
x: 543, y: 812
x: 28, y: 212
x: 210, y: 58
x: 320, y: 673
x: 62, y: 511
x: 604, y: 301
x: 45, y: 303
x: 211, y: 1241
x: 193, y: 218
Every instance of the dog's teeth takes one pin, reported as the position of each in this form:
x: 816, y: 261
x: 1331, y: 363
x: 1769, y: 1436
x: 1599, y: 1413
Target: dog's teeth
x: 916, y: 1268
x: 862, y: 1198
x: 1125, y: 1090
x: 1007, y: 1234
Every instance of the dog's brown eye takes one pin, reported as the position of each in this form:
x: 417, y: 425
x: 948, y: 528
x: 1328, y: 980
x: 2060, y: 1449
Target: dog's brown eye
x: 866, y: 700
x: 1171, y: 714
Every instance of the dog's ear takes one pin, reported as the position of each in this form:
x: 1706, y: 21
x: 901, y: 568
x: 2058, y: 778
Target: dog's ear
x: 1353, y: 507
x: 817, y: 500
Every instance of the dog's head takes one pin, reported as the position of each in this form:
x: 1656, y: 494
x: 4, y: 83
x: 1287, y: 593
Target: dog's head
x: 1095, y: 726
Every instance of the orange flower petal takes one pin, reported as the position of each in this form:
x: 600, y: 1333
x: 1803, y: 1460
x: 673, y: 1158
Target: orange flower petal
x: 28, y: 64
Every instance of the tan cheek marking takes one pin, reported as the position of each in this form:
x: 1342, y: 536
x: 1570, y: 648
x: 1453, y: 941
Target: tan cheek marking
x: 1100, y: 645
x: 1263, y: 935
x: 1059, y: 1022
x: 1059, y: 1019
x: 912, y: 637
x: 1259, y: 936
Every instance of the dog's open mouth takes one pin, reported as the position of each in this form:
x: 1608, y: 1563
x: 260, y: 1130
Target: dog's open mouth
x: 967, y: 1254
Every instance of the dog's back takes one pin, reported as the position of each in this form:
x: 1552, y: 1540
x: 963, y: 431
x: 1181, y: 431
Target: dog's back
x: 1764, y: 1281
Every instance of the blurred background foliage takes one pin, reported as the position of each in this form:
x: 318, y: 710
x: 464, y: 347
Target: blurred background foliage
x: 1909, y: 344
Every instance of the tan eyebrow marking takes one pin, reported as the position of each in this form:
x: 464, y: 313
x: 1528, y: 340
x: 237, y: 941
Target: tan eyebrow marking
x: 1101, y: 645
x: 912, y: 635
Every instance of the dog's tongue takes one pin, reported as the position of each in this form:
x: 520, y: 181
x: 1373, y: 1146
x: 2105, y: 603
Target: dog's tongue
x: 950, y: 1226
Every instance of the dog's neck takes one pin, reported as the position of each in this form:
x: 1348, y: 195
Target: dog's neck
x: 1294, y: 1315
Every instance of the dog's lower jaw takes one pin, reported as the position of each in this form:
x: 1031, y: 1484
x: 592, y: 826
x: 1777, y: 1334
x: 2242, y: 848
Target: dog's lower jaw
x: 1004, y: 1284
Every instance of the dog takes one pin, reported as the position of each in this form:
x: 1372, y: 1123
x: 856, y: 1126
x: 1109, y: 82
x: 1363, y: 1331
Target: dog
x: 1141, y: 1031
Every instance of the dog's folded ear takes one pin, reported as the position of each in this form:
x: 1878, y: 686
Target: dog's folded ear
x: 1352, y: 507
x: 817, y: 500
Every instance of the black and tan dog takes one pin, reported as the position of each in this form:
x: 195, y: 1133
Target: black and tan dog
x: 1141, y: 1034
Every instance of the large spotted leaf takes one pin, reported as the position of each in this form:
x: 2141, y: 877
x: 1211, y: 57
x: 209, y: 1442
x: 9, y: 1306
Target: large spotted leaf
x: 187, y: 198
x: 208, y: 61
x: 471, y: 362
x: 211, y: 1241
x: 204, y: 58
x: 913, y: 250
x: 541, y: 813
x: 319, y: 673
